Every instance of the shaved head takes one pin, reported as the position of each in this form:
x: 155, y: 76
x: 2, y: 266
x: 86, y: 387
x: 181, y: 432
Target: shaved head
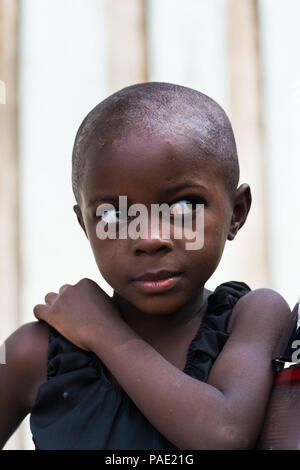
x: 166, y: 109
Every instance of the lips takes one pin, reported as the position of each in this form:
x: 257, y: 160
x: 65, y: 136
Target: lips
x: 157, y: 282
x: 156, y: 276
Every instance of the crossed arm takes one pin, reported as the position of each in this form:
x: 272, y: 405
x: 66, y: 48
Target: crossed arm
x: 224, y: 413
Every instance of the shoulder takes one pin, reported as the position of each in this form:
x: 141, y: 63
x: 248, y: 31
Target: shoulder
x: 28, y: 339
x: 261, y: 312
x: 23, y: 371
x: 26, y: 357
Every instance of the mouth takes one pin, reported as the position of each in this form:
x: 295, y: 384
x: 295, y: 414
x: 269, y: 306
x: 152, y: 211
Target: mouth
x: 157, y: 282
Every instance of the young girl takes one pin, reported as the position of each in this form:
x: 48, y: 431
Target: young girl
x: 165, y: 363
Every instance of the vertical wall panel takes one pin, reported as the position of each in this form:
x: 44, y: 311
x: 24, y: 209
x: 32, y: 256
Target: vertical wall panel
x: 9, y: 194
x: 248, y: 252
x: 188, y: 45
x: 126, y: 43
x: 280, y: 45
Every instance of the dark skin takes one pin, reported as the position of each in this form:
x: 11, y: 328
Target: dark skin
x: 161, y: 167
x: 154, y: 331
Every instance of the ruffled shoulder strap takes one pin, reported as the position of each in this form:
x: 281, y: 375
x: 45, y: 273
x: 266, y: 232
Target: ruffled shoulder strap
x: 64, y: 356
x: 213, y: 333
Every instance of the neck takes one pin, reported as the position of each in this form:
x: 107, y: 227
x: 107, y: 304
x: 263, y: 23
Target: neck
x: 154, y: 327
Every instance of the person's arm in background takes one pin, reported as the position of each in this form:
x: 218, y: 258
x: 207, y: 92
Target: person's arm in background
x: 281, y: 428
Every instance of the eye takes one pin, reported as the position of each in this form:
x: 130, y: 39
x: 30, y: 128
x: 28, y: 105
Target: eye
x: 112, y: 216
x: 185, y: 206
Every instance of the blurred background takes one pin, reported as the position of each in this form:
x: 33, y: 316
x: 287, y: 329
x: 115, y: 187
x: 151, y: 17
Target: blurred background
x: 59, y: 58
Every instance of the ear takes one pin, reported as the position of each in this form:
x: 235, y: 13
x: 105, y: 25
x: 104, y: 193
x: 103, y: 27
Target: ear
x: 78, y: 213
x: 241, y: 207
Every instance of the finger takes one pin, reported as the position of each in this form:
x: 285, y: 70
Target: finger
x: 64, y: 287
x: 41, y: 312
x: 50, y: 298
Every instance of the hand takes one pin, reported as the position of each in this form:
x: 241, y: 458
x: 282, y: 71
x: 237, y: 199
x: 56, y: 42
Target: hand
x: 78, y: 311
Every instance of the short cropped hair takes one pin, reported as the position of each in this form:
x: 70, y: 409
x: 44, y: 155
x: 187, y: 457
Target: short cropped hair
x: 162, y: 108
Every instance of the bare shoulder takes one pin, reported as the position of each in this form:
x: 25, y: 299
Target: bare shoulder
x: 26, y: 355
x: 23, y: 371
x: 261, y: 312
x: 28, y: 340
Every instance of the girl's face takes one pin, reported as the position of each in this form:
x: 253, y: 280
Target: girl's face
x: 156, y: 170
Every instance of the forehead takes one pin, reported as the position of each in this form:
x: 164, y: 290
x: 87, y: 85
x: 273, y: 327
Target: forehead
x: 147, y: 163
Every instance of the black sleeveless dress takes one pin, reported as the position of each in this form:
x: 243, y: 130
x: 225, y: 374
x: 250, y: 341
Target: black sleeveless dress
x: 78, y: 407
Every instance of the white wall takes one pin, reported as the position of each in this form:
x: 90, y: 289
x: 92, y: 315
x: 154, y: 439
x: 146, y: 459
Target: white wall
x: 188, y: 45
x: 280, y: 43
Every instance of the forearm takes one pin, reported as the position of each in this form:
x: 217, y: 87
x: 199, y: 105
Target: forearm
x: 189, y: 413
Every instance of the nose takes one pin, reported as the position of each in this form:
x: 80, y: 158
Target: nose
x: 153, y: 239
x: 152, y: 245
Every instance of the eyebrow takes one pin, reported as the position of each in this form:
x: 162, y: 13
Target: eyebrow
x: 173, y: 189
x: 186, y: 185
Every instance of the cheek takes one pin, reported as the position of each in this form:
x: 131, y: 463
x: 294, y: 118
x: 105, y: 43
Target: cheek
x: 108, y: 254
x: 214, y: 239
x: 216, y: 225
x: 209, y: 231
x: 108, y: 257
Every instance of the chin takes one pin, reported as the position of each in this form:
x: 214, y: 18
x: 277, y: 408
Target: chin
x: 162, y: 304
x: 159, y: 306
